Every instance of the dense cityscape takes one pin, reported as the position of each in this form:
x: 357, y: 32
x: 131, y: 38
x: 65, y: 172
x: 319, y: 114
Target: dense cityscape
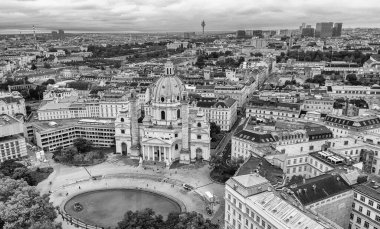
x: 203, y: 129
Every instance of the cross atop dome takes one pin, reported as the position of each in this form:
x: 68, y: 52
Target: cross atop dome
x: 169, y: 68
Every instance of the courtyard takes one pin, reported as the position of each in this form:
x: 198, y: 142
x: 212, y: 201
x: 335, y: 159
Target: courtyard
x: 117, y: 172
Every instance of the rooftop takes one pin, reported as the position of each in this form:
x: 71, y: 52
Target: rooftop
x: 272, y: 173
x: 6, y: 120
x: 319, y: 188
x: 370, y: 188
x: 355, y: 121
x: 249, y: 180
x: 284, y: 213
x: 48, y: 125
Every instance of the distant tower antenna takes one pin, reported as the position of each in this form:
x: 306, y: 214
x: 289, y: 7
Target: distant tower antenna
x: 203, y: 24
x: 34, y: 34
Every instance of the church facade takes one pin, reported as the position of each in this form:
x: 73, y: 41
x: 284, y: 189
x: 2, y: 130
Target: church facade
x: 171, y: 130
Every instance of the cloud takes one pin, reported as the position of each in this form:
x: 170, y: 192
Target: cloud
x: 182, y: 15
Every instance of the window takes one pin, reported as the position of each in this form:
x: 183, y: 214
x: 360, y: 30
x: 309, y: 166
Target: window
x: 162, y: 115
x: 377, y: 218
x: 366, y: 224
x: 360, y: 208
x: 176, y: 135
x: 176, y: 147
x: 162, y: 99
x: 362, y: 198
x: 199, y: 124
x: 359, y: 220
x: 351, y: 216
x: 178, y: 113
x: 368, y: 213
x: 123, y: 131
x: 345, y: 143
x: 258, y: 218
x: 122, y: 120
x: 263, y: 223
x: 370, y: 202
x: 199, y: 137
x: 311, y: 147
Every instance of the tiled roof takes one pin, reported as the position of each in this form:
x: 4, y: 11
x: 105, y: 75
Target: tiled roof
x: 255, y: 137
x: 10, y: 99
x: 353, y: 121
x: 319, y: 188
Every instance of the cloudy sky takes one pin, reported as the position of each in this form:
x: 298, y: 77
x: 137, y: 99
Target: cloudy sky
x: 181, y: 15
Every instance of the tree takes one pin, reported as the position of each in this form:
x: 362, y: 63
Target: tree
x: 47, y: 65
x: 67, y: 154
x: 21, y: 206
x: 8, y: 167
x: 214, y: 129
x: 83, y: 145
x: 49, y: 81
x: 147, y: 219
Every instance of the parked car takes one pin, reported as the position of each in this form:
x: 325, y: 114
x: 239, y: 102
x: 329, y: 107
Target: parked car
x: 187, y: 187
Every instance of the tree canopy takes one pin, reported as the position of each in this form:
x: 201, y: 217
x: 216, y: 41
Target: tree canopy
x: 22, y: 206
x: 147, y: 219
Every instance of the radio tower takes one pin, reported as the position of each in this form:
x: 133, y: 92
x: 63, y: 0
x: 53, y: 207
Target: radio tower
x: 203, y: 24
x: 34, y: 34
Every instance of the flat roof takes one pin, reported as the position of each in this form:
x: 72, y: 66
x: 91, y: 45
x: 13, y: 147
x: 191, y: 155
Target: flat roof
x: 283, y: 212
x: 46, y: 125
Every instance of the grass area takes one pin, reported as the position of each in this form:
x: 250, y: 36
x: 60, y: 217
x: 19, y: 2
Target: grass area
x: 196, y: 165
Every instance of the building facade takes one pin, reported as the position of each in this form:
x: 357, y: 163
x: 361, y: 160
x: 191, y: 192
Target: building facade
x: 170, y: 131
x: 12, y: 143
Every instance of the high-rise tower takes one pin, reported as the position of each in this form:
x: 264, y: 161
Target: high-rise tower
x: 203, y: 24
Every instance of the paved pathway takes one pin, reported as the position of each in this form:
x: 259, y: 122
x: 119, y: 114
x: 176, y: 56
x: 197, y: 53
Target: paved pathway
x: 63, y: 180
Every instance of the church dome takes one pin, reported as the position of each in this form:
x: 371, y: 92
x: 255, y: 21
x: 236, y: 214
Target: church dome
x: 168, y: 89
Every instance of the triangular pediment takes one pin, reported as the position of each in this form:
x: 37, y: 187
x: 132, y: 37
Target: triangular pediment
x: 158, y: 141
x: 122, y: 125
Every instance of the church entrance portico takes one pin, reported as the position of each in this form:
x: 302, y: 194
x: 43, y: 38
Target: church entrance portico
x: 156, y: 153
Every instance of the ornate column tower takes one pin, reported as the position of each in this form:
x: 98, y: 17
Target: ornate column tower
x: 135, y: 147
x: 185, y: 151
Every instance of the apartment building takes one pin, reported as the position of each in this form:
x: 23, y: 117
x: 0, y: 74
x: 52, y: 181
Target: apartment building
x: 53, y: 134
x: 12, y: 103
x: 366, y: 206
x: 223, y: 112
x: 323, y: 105
x: 251, y: 203
x: 12, y: 143
x: 273, y: 110
x: 343, y: 126
x: 329, y: 195
x: 86, y: 109
x: 238, y: 92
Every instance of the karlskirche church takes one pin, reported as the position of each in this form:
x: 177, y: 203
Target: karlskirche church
x: 170, y: 131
